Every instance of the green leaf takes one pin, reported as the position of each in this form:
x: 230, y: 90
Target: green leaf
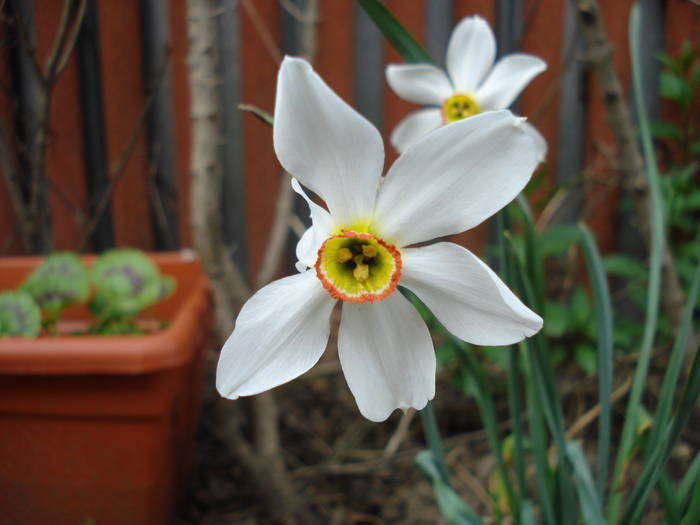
x: 19, y: 315
x: 580, y: 306
x: 59, y: 281
x: 666, y: 130
x: 654, y: 283
x: 557, y: 319
x: 586, y: 357
x: 691, y: 477
x: 625, y: 266
x: 452, y: 507
x: 590, y: 504
x: 604, y: 313
x: 557, y: 239
x: 692, y: 517
x: 675, y: 88
x: 675, y: 365
x: 394, y: 32
x: 264, y: 116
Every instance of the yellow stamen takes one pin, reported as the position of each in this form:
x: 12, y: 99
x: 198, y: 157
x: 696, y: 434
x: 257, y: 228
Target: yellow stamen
x: 459, y: 107
x: 343, y: 255
x: 361, y: 272
x: 369, y: 251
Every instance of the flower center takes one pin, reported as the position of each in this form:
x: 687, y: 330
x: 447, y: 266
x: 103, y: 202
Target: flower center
x: 358, y: 267
x: 459, y: 107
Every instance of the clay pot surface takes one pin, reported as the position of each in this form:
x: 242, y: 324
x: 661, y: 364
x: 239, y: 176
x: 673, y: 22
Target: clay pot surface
x: 102, y: 428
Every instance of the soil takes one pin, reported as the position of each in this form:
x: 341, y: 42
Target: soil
x: 339, y: 463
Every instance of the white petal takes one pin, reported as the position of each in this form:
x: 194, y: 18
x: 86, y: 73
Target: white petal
x: 470, y: 53
x: 327, y: 145
x: 321, y: 226
x: 466, y: 295
x: 387, y: 356
x: 540, y: 143
x: 454, y: 178
x: 414, y: 126
x: 507, y: 79
x: 280, y: 333
x: 419, y: 83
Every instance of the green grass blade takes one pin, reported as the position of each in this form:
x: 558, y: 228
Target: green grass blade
x: 395, y: 33
x: 691, y: 477
x: 656, y: 248
x: 452, y: 507
x: 587, y: 493
x: 655, y: 464
x: 675, y: 364
x: 547, y: 393
x: 533, y: 260
x: 692, y: 517
x: 604, y: 313
x: 514, y: 382
x: 432, y: 437
x: 488, y: 417
x: 538, y: 439
x: 527, y: 513
x: 263, y: 116
x: 669, y: 498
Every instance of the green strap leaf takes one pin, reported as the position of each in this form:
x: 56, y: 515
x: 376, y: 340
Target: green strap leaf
x: 264, y: 116
x: 452, y: 507
x: 604, y: 313
x: 656, y: 249
x: 588, y: 496
x: 395, y: 33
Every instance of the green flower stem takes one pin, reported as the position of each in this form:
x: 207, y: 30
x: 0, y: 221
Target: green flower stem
x: 514, y: 383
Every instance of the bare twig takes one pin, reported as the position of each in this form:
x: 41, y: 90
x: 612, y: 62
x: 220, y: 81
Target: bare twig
x: 72, y: 39
x: 263, y: 32
x: 589, y: 416
x: 118, y: 168
x: 400, y: 433
x: 63, y: 44
x: 278, y: 233
x: 14, y: 187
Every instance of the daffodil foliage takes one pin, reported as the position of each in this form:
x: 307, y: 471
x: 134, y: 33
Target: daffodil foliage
x: 369, y: 241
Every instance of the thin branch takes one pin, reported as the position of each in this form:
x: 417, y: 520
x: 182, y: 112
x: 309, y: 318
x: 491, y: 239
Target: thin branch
x: 58, y: 42
x: 72, y: 38
x: 399, y: 434
x: 263, y: 32
x: 278, y: 233
x: 118, y: 168
x: 13, y: 186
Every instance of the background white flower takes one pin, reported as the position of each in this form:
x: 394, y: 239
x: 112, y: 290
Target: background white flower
x: 356, y: 251
x: 474, y: 84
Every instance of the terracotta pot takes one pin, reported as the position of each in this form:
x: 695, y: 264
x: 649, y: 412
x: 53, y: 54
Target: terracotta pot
x: 102, y: 428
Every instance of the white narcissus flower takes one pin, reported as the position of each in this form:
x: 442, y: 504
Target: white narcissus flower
x: 474, y: 84
x: 359, y: 250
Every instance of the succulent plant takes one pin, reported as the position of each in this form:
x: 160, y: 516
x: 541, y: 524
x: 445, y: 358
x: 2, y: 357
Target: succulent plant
x: 19, y: 315
x: 126, y: 281
x: 59, y: 281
